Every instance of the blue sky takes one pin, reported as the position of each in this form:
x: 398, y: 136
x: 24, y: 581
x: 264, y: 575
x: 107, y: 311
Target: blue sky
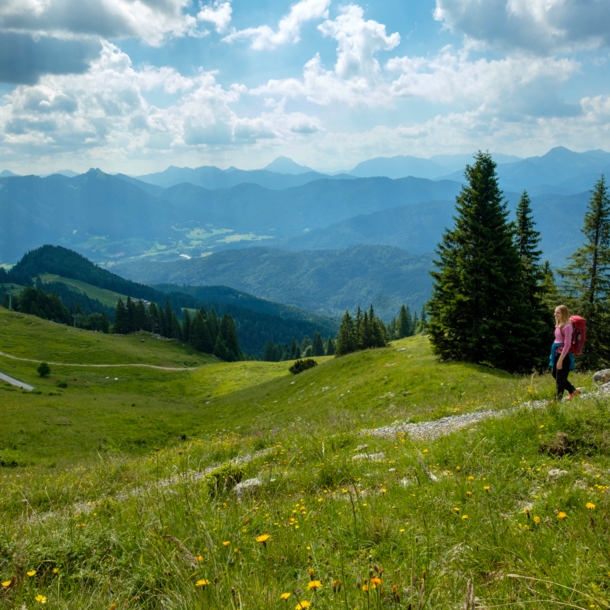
x: 137, y: 85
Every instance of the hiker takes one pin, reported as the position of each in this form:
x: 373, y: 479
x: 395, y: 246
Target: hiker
x: 562, y: 359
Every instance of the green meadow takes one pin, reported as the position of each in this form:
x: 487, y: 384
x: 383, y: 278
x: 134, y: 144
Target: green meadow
x: 118, y: 489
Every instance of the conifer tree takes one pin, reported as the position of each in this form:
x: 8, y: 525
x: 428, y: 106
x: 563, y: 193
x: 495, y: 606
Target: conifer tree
x: 477, y: 310
x: 153, y: 314
x: 317, y: 347
x: 347, y: 339
x: 329, y: 348
x: 541, y: 321
x: 404, y: 323
x: 121, y: 321
x: 228, y: 331
x: 550, y: 292
x: 186, y: 326
x: 586, y: 278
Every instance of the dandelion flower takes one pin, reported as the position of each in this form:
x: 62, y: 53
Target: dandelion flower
x: 471, y: 478
x: 314, y: 584
x: 456, y: 509
x: 376, y: 581
x: 55, y: 570
x: 226, y: 543
x: 7, y: 583
x: 365, y: 588
x: 302, y: 604
x: 590, y: 505
x: 537, y: 519
x: 284, y: 595
x: 31, y: 573
x: 561, y: 515
x: 199, y: 557
x: 469, y: 493
x: 263, y: 538
x: 202, y: 583
x: 464, y: 516
x: 41, y: 599
x: 486, y: 487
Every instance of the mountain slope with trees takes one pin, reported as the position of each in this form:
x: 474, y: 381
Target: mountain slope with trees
x: 323, y: 281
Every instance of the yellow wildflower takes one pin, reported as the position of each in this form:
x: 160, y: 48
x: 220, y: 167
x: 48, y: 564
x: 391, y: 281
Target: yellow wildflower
x: 199, y: 557
x: 202, y: 583
x: 537, y: 519
x: 284, y: 595
x: 590, y: 505
x: 263, y: 538
x: 486, y: 487
x: 464, y: 516
x: 41, y: 599
x: 7, y: 583
x: 226, y: 543
x: 561, y: 515
x: 314, y: 584
x: 302, y: 604
x: 31, y: 573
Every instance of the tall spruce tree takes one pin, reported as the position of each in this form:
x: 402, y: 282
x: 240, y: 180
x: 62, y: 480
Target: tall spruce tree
x: 404, y: 323
x: 477, y: 310
x: 586, y: 279
x: 317, y: 346
x: 347, y: 339
x: 527, y: 240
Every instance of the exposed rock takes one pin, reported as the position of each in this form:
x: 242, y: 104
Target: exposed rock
x: 369, y: 456
x: 361, y: 447
x: 602, y: 376
x: 555, y: 473
x: 247, y: 486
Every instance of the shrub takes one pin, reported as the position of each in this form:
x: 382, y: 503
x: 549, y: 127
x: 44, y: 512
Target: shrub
x: 44, y: 369
x: 224, y: 478
x: 302, y: 365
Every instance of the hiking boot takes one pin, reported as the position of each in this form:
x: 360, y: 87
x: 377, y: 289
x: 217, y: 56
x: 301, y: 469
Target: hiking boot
x: 574, y: 394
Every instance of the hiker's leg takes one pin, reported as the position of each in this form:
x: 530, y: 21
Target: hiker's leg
x: 560, y: 376
x: 569, y: 387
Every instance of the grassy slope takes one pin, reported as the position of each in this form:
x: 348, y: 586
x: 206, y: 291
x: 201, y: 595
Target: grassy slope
x: 492, y: 515
x: 107, y: 297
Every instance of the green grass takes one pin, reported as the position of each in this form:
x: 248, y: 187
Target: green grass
x: 130, y: 524
x: 106, y: 297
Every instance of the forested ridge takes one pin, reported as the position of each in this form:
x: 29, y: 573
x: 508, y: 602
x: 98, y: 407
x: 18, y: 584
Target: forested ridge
x: 257, y: 321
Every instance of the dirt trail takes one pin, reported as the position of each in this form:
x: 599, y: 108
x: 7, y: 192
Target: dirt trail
x: 148, y: 366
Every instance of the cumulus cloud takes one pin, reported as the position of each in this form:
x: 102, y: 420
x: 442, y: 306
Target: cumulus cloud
x: 218, y: 13
x: 356, y: 77
x: 23, y: 59
x: 515, y: 85
x: 289, y: 27
x: 106, y: 109
x: 537, y: 26
x: 150, y: 20
x: 358, y: 41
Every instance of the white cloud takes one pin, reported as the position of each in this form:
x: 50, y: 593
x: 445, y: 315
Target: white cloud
x: 150, y: 20
x: 356, y: 78
x: 218, y: 13
x: 289, y: 27
x: 105, y: 114
x: 507, y: 85
x: 538, y: 26
x: 358, y: 41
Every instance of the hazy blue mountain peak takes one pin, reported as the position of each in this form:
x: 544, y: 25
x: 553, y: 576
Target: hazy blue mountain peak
x: 285, y: 165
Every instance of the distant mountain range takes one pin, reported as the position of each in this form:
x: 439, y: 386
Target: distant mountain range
x: 324, y: 281
x: 559, y: 171
x: 109, y: 218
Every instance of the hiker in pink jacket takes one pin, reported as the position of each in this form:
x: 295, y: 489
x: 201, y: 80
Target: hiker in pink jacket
x: 562, y: 360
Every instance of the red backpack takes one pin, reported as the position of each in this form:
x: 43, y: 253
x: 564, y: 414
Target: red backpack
x: 579, y: 334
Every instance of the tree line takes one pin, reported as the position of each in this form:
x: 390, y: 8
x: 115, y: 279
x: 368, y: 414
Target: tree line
x: 276, y: 352
x: 204, y: 330
x: 493, y: 297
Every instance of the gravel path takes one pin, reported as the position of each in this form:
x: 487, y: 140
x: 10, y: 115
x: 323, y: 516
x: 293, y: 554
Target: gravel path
x: 147, y: 366
x: 429, y: 430
x: 16, y: 382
